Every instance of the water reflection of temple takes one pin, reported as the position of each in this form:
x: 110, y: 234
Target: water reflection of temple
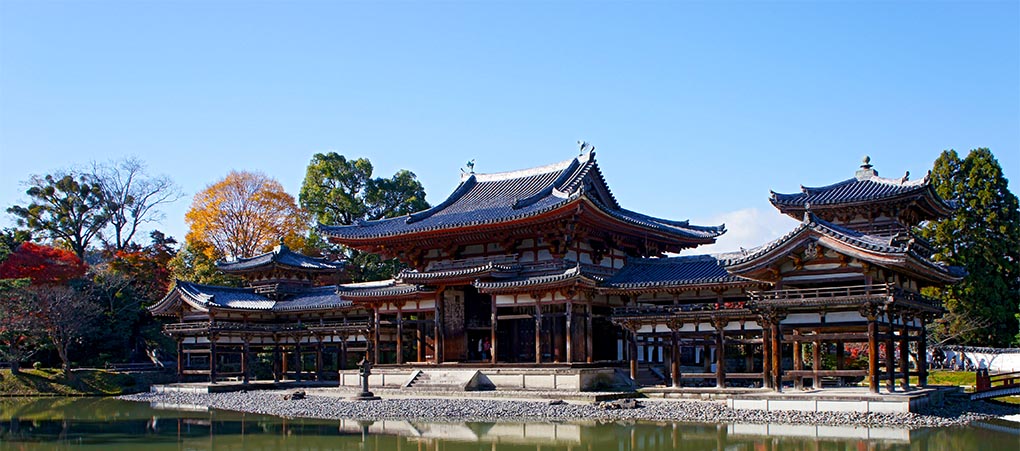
x: 113, y: 425
x: 543, y: 268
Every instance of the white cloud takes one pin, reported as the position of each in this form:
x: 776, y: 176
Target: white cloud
x: 746, y: 228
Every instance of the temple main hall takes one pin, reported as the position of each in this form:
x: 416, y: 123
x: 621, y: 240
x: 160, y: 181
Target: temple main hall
x: 542, y: 268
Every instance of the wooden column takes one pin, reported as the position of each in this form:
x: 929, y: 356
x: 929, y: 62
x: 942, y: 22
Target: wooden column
x: 212, y: 359
x: 298, y: 361
x: 588, y: 351
x: 633, y: 352
x: 706, y: 357
x: 420, y: 338
x: 437, y: 341
x: 873, y: 354
x: 180, y: 359
x: 493, y: 339
x: 674, y: 364
x: 816, y: 363
x: 318, y: 357
x: 777, y: 355
x: 890, y: 360
x: 538, y: 331
x: 376, y: 321
x: 922, y: 354
x: 798, y: 360
x: 244, y: 359
x: 277, y: 360
x: 766, y: 355
x: 569, y: 320
x: 343, y: 352
x: 748, y: 359
x: 400, y: 335
x: 905, y: 354
x: 720, y: 355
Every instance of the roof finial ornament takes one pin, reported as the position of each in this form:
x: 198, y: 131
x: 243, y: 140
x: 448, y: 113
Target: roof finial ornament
x: 280, y: 246
x: 470, y: 167
x: 585, y: 147
x: 866, y: 170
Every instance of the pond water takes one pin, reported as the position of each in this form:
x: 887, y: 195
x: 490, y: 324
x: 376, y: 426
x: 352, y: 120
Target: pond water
x: 111, y: 424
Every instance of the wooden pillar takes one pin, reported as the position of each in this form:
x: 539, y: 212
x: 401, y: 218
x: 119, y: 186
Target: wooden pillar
x: 633, y: 353
x: 905, y: 354
x: 720, y: 355
x: 555, y: 338
x: 706, y: 357
x: 748, y: 359
x: 318, y: 357
x: 180, y: 359
x: 538, y: 332
x: 278, y: 364
x: 493, y: 338
x: 298, y: 361
x: 244, y: 359
x: 400, y: 335
x: 588, y: 349
x: 777, y: 355
x: 420, y: 338
x: 816, y: 363
x: 674, y: 363
x: 343, y: 352
x: 569, y: 320
x: 922, y: 354
x: 766, y: 355
x: 212, y: 359
x: 437, y: 342
x: 873, y: 354
x: 890, y: 359
x: 840, y: 355
x: 376, y: 321
x: 798, y: 360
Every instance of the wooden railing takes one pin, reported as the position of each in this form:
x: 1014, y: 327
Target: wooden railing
x: 879, y: 290
x: 228, y: 326
x: 669, y: 310
x: 467, y: 263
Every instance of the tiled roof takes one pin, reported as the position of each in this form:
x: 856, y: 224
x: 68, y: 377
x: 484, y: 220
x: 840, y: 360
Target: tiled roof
x: 565, y: 272
x: 224, y: 297
x: 211, y: 296
x: 283, y: 256
x: 383, y: 288
x: 865, y: 186
x: 895, y: 245
x: 486, y: 269
x: 673, y: 271
x: 313, y: 299
x: 494, y: 198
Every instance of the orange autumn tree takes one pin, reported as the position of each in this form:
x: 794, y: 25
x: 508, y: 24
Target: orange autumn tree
x: 244, y: 215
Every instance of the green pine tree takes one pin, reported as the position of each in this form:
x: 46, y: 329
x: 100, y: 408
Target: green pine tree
x: 983, y: 237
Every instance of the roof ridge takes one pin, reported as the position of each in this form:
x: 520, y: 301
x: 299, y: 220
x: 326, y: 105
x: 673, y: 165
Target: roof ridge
x: 519, y: 173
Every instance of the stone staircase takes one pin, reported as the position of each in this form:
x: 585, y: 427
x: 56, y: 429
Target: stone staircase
x: 445, y: 380
x: 651, y: 377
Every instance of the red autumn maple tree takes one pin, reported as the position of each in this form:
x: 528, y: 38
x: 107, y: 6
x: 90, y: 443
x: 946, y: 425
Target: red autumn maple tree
x: 42, y: 264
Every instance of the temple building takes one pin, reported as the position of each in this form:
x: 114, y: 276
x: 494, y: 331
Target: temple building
x: 543, y: 268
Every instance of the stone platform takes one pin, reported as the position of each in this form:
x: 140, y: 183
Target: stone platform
x: 844, y: 399
x: 231, y: 386
x: 467, y: 378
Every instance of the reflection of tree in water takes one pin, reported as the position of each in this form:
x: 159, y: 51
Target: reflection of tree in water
x: 109, y: 424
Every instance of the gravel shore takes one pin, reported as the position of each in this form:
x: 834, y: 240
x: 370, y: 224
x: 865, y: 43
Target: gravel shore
x: 475, y: 409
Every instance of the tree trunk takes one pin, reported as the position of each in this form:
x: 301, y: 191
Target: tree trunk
x: 15, y: 367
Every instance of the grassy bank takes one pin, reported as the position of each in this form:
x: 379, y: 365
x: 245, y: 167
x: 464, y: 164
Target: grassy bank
x: 52, y: 382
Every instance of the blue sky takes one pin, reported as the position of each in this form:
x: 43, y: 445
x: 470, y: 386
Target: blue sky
x: 697, y: 109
